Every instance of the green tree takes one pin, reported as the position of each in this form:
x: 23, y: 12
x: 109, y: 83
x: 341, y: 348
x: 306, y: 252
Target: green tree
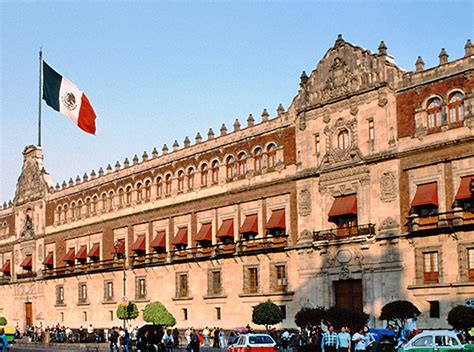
x: 127, y: 312
x: 310, y: 317
x: 3, y: 321
x: 266, y: 313
x: 157, y: 313
x: 339, y: 317
x: 461, y: 317
x: 398, y: 312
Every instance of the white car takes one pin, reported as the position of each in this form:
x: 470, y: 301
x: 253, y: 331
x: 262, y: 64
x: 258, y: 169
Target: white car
x: 254, y: 343
x: 436, y: 341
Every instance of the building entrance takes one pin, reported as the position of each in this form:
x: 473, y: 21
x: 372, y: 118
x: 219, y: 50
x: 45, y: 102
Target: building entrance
x: 349, y: 294
x: 29, y: 313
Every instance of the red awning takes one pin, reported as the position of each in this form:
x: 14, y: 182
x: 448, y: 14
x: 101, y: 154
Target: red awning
x: 27, y: 262
x: 426, y: 194
x: 70, y: 255
x: 159, y: 241
x: 94, y: 251
x: 464, y: 191
x: 181, y: 237
x: 120, y: 249
x: 205, y: 233
x: 226, y: 229
x: 277, y: 220
x: 6, y: 268
x: 82, y: 253
x: 344, y: 205
x: 139, y: 244
x: 250, y: 224
x: 49, y: 260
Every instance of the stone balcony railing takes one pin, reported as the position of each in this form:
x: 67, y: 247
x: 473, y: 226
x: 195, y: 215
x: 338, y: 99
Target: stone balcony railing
x: 441, y: 222
x: 344, y: 233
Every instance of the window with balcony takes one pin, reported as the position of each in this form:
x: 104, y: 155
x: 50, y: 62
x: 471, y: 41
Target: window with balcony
x: 430, y: 267
x: 82, y: 296
x: 180, y: 241
x: 182, y: 290
x: 276, y: 224
x: 249, y: 228
x: 257, y: 157
x: 456, y: 108
x: 425, y: 204
x: 140, y: 288
x: 433, y: 113
x: 204, y: 175
x: 343, y: 213
x: 464, y: 198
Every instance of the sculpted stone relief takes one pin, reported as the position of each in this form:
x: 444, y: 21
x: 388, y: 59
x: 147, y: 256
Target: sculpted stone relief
x: 388, y: 187
x: 30, y: 184
x: 304, y: 204
x: 344, y: 181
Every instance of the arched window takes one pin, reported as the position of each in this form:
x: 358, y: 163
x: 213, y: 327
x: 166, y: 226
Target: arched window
x: 88, y: 206
x: 433, y: 111
x: 242, y: 164
x: 104, y: 202
x: 204, y: 173
x: 343, y: 139
x: 257, y: 156
x: 139, y: 191
x: 121, y: 199
x: 456, y: 107
x: 59, y: 213
x: 271, y: 153
x: 215, y: 171
x: 73, y: 211
x: 190, y: 178
x: 79, y: 209
x: 180, y: 180
x: 65, y: 212
x: 159, y: 187
x: 230, y: 166
x: 94, y: 205
x: 168, y: 183
x: 147, y: 190
x: 128, y: 195
x: 110, y: 201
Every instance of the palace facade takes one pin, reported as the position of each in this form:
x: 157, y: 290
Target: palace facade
x: 358, y: 194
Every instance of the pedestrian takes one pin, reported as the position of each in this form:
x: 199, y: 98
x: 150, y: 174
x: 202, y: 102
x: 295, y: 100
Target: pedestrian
x: 113, y: 340
x: 329, y: 340
x: 344, y: 340
x: 143, y: 343
x: 90, y: 333
x: 126, y: 341
x: 222, y: 338
x: 194, y: 344
x: 215, y: 337
x: 205, y: 335
x: 232, y: 339
x: 168, y: 340
x: 359, y: 340
x: 285, y: 339
x: 175, y: 337
x: 3, y: 340
x: 369, y: 339
x: 187, y: 335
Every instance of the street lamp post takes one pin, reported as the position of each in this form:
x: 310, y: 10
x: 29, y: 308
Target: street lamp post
x: 117, y: 245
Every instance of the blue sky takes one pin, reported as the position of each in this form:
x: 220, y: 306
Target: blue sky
x: 158, y: 71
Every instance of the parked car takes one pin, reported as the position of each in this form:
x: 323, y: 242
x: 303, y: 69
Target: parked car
x: 436, y: 341
x: 254, y: 343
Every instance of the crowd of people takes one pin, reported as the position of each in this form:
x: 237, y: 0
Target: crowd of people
x: 59, y: 333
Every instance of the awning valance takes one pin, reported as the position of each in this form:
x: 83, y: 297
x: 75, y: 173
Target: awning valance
x: 140, y: 244
x: 226, y: 229
x: 6, y: 268
x: 345, y: 205
x: 49, y: 259
x: 70, y: 255
x: 250, y: 224
x: 94, y: 251
x: 159, y: 241
x: 27, y: 262
x: 205, y: 233
x: 181, y: 237
x: 277, y: 220
x: 464, y: 191
x: 82, y: 253
x: 120, y: 246
x: 426, y: 194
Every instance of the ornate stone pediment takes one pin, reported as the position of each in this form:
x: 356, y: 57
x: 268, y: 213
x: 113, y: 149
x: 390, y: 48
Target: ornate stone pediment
x: 31, y: 184
x: 344, y: 70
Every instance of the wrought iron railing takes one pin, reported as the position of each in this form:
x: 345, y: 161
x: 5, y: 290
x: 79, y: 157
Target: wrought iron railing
x: 441, y: 221
x: 345, y: 232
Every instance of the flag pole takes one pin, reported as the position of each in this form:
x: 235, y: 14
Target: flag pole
x: 39, y: 95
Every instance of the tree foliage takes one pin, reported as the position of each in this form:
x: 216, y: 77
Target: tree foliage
x: 157, y: 313
x: 339, y: 317
x: 266, y: 313
x: 3, y: 321
x: 399, y: 312
x: 310, y: 317
x: 128, y: 312
x: 461, y: 317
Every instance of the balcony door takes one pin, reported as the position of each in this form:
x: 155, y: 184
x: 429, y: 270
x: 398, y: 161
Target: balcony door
x: 348, y: 294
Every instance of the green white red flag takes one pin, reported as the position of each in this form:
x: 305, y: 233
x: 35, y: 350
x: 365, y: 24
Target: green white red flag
x: 63, y: 96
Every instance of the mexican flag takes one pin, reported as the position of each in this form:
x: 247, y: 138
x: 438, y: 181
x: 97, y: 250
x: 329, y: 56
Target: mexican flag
x: 63, y: 96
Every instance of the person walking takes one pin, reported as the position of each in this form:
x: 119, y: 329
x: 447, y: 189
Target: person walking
x: 194, y: 344
x: 175, y: 337
x: 369, y: 339
x: 344, y: 340
x: 222, y: 338
x: 113, y: 340
x: 329, y: 340
x: 359, y: 340
x: 168, y: 340
x: 205, y: 335
x: 3, y: 340
x: 126, y: 341
x: 187, y: 335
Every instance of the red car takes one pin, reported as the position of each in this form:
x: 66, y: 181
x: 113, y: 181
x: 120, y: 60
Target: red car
x: 254, y: 343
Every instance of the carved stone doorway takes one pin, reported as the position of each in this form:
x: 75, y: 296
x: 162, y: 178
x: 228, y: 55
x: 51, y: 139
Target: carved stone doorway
x: 29, y: 313
x: 348, y: 294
